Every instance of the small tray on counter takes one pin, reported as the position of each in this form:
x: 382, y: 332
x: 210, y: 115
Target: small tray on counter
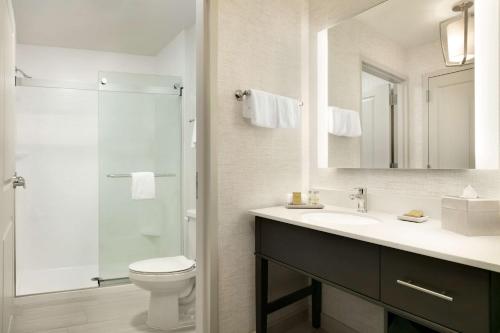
x: 413, y: 219
x: 305, y: 206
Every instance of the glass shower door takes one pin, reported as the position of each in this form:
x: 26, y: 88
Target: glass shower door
x: 139, y: 130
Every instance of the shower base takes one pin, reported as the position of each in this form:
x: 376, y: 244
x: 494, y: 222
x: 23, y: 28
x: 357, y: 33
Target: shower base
x: 29, y: 282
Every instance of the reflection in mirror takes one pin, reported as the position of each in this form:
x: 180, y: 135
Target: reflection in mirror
x: 400, y: 87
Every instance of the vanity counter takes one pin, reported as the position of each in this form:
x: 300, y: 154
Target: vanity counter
x: 421, y: 238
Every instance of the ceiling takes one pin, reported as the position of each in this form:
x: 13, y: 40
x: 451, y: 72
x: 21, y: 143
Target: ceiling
x: 140, y: 27
x: 408, y: 22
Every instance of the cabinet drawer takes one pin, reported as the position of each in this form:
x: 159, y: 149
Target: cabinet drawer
x: 346, y: 262
x: 450, y: 294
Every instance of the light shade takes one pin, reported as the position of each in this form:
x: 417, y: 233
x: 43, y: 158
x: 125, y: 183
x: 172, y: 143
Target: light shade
x: 453, y: 32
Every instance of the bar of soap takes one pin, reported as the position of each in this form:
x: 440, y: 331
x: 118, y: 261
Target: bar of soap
x: 415, y: 213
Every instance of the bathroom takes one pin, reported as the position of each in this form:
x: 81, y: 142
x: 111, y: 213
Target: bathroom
x: 88, y: 248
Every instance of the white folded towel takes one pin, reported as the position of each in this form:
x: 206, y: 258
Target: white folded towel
x: 342, y: 122
x: 288, y: 112
x: 193, y: 138
x: 260, y: 108
x: 272, y: 111
x: 143, y: 185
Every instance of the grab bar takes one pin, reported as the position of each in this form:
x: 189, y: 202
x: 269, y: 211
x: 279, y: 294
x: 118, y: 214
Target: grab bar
x: 128, y: 175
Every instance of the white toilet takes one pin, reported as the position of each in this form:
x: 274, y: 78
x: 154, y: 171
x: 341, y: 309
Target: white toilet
x: 170, y: 281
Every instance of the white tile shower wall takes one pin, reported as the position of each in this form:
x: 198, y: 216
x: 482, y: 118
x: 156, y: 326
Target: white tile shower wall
x: 57, y: 154
x: 392, y: 183
x: 178, y: 58
x: 258, y: 45
x: 71, y: 65
x: 78, y: 123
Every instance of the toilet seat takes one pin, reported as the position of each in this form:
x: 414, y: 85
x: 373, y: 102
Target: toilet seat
x: 163, y: 266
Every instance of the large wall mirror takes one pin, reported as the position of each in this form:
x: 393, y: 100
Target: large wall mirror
x: 401, y: 87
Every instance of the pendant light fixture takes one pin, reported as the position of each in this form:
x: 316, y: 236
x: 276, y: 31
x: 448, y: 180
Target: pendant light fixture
x: 457, y: 36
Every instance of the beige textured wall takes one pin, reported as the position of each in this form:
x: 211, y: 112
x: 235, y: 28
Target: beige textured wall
x: 257, y: 45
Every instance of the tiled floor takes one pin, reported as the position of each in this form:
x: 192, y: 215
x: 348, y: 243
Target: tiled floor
x: 305, y: 328
x: 118, y: 309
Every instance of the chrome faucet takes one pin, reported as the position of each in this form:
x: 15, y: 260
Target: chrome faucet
x: 361, y: 196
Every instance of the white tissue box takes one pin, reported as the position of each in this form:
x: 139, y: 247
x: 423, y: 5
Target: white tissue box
x: 471, y: 217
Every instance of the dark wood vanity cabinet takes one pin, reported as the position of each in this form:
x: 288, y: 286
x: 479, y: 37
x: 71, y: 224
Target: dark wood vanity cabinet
x: 343, y: 261
x: 446, y: 296
x: 453, y: 295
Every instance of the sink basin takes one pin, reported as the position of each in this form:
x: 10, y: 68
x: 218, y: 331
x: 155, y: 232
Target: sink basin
x: 338, y: 218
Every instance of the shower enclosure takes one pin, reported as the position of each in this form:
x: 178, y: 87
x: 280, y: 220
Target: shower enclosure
x: 78, y: 144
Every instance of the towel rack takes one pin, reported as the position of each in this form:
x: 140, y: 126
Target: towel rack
x: 241, y: 94
x: 128, y: 175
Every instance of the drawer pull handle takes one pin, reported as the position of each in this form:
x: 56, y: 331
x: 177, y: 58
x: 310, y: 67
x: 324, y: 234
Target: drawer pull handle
x: 424, y: 290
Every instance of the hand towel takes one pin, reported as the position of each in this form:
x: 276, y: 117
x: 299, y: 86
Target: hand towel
x: 143, y: 185
x: 288, y: 112
x: 193, y: 138
x: 342, y: 122
x: 271, y: 111
x: 260, y: 107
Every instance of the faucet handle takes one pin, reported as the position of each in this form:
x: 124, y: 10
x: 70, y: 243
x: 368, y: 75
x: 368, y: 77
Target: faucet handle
x: 360, y: 189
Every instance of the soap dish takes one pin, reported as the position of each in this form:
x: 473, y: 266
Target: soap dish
x: 413, y: 219
x: 305, y: 206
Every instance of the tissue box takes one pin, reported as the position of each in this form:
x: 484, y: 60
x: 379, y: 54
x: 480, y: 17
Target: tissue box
x: 471, y: 217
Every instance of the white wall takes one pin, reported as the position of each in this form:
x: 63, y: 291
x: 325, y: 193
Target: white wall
x: 56, y: 63
x: 67, y: 225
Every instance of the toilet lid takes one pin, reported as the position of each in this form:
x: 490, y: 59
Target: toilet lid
x: 162, y: 265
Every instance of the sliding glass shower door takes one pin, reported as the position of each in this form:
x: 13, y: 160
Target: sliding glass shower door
x: 77, y: 145
x: 139, y: 131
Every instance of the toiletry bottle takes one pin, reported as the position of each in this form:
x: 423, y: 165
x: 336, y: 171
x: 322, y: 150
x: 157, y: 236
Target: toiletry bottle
x: 315, y: 195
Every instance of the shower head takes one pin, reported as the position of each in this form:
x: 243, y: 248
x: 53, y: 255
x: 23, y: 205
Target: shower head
x: 26, y: 76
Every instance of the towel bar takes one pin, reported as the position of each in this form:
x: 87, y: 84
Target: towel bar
x: 128, y: 175
x: 241, y: 94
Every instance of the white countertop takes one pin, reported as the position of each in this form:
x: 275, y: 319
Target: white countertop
x: 423, y: 238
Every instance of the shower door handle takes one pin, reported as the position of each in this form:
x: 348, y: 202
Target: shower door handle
x: 18, y: 181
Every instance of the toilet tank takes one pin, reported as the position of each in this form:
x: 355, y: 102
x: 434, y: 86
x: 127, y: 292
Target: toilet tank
x: 190, y: 234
